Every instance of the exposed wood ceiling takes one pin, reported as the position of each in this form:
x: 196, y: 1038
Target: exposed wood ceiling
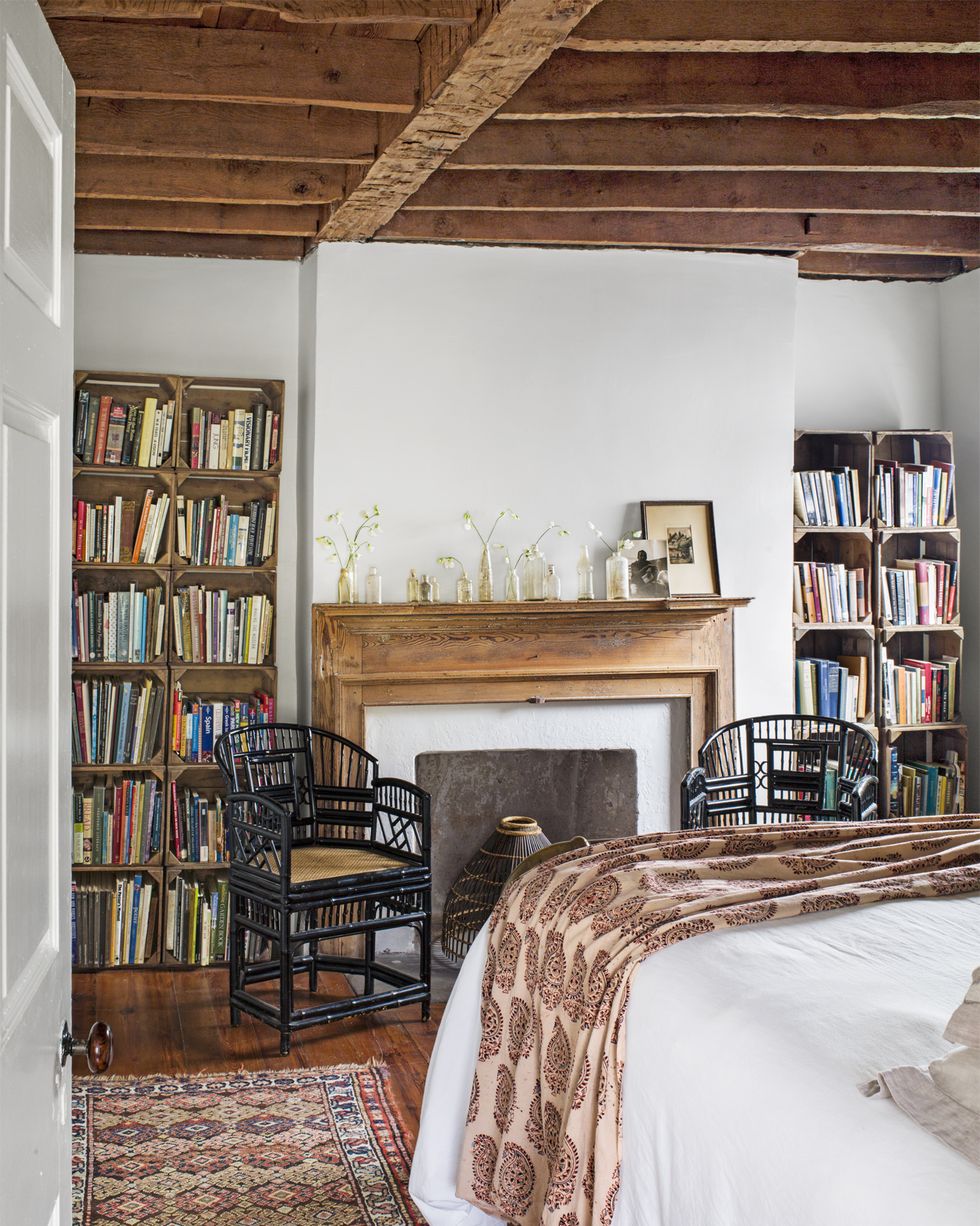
x: 846, y: 132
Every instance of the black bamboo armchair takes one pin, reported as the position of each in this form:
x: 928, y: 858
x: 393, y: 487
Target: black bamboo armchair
x: 782, y: 768
x: 320, y: 849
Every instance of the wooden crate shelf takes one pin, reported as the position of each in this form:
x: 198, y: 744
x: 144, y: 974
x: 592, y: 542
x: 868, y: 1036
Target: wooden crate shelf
x: 877, y: 545
x: 104, y: 482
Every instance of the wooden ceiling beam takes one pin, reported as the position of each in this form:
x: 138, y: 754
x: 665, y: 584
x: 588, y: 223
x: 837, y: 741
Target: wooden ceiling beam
x: 769, y: 231
x: 220, y: 246
x: 771, y: 191
x: 780, y: 25
x: 375, y: 12
x: 136, y: 60
x: 206, y: 180
x: 286, y: 220
x: 724, y: 144
x: 225, y: 130
x: 156, y: 9
x: 571, y: 85
x: 513, y: 38
x: 879, y: 267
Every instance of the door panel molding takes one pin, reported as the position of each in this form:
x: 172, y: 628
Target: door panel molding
x: 18, y: 415
x: 22, y: 89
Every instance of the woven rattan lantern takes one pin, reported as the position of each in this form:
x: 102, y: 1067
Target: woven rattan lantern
x: 475, y: 891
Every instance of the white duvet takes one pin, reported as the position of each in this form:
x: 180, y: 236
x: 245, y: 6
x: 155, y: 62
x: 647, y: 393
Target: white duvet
x: 745, y: 1048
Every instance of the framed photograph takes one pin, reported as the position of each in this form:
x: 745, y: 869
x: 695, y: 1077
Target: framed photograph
x: 649, y: 572
x: 688, y: 528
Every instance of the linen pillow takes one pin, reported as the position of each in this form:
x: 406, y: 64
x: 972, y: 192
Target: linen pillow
x: 945, y: 1097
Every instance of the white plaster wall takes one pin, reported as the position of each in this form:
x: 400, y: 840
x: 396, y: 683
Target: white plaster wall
x: 569, y: 385
x: 204, y: 317
x: 867, y: 355
x: 960, y: 352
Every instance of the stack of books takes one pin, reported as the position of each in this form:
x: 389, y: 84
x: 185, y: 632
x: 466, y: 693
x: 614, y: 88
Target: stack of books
x: 919, y: 691
x: 927, y: 788
x: 211, y: 627
x: 920, y: 592
x: 109, y: 532
x: 210, y: 533
x: 197, y: 920
x: 198, y: 833
x: 914, y: 495
x: 836, y: 689
x: 131, y: 435
x: 236, y: 440
x: 828, y: 497
x: 120, y: 823
x: 115, y: 720
x: 117, y: 627
x: 829, y: 592
x: 113, y: 925
x: 198, y: 722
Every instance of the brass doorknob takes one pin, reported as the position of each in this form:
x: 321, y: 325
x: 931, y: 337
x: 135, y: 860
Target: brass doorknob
x: 97, y: 1048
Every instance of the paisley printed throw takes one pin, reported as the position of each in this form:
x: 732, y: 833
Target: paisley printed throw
x: 542, y: 1139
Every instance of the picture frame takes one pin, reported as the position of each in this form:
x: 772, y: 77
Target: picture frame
x: 649, y: 570
x: 688, y: 527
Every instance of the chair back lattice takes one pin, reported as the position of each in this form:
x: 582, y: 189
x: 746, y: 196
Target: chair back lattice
x: 326, y: 781
x: 784, y: 767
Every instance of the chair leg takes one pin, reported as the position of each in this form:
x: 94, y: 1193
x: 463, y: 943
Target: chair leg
x: 313, y: 948
x: 285, y: 984
x: 236, y: 960
x: 369, y: 951
x: 425, y: 956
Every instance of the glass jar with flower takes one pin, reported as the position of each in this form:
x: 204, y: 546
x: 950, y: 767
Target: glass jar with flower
x: 464, y: 584
x: 346, y: 551
x: 617, y: 564
x: 485, y: 574
x: 536, y: 564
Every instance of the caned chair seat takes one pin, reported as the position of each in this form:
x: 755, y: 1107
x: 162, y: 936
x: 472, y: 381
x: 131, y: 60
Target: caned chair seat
x: 325, y: 863
x: 320, y: 849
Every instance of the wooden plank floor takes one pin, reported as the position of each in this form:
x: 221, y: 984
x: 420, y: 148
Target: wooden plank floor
x: 174, y: 1022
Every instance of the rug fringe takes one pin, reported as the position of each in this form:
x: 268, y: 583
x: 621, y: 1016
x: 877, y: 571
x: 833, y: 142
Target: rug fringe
x: 375, y: 1063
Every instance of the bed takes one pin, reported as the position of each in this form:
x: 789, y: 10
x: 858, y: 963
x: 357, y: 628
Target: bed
x: 745, y: 1050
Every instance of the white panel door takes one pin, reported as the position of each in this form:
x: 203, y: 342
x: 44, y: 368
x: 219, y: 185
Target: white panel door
x: 36, y: 180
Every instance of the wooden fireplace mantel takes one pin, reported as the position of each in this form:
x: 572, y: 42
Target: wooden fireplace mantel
x: 414, y: 654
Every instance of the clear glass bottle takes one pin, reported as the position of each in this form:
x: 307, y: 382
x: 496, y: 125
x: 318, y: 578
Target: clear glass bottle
x: 586, y: 571
x: 535, y: 569
x: 425, y: 589
x: 512, y: 584
x: 372, y: 586
x: 552, y: 583
x: 412, y: 592
x: 617, y: 576
x: 485, y: 591
x: 464, y: 589
x: 346, y: 593
x: 434, y: 585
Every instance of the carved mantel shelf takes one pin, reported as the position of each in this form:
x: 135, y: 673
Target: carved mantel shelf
x: 402, y: 654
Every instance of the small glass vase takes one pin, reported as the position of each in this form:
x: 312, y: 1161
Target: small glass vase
x: 552, y: 583
x: 535, y: 569
x: 617, y: 576
x: 485, y: 586
x: 586, y: 585
x: 464, y: 590
x: 347, y: 585
x: 372, y: 587
x: 512, y: 585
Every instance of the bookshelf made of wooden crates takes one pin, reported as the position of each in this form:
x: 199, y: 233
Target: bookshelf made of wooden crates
x: 206, y: 469
x: 890, y: 499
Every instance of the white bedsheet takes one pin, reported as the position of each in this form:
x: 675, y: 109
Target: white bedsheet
x: 744, y: 1051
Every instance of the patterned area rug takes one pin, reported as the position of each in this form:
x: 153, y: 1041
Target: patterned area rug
x: 314, y: 1147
